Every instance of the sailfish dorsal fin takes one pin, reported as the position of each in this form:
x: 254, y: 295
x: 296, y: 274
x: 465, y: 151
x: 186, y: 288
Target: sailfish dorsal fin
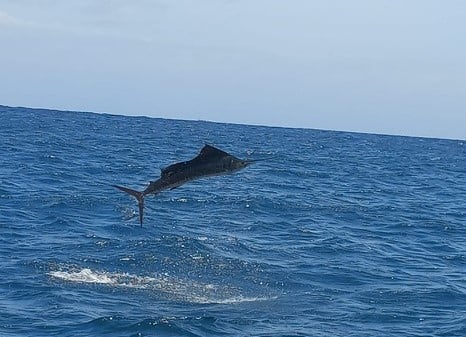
x: 208, y: 152
x: 211, y: 151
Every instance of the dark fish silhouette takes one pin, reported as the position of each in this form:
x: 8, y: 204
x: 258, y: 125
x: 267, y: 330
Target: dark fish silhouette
x: 209, y: 162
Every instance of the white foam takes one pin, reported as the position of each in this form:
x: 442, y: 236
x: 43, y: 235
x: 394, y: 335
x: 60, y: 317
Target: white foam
x: 84, y: 276
x: 190, y: 291
x: 233, y: 300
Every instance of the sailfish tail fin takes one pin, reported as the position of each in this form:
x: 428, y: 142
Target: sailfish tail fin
x: 139, y: 196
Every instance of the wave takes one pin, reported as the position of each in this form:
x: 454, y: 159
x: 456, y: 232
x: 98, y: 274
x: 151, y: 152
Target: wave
x: 172, y: 287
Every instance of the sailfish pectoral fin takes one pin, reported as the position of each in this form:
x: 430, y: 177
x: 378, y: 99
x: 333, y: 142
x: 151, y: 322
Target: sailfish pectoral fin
x: 139, y: 197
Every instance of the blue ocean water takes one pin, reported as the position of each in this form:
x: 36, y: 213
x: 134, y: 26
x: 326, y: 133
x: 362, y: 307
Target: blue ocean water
x: 335, y: 234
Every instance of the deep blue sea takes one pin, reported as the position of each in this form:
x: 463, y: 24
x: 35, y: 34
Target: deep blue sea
x: 334, y: 234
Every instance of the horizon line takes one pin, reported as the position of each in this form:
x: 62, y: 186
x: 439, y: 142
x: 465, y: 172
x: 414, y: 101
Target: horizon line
x: 238, y: 123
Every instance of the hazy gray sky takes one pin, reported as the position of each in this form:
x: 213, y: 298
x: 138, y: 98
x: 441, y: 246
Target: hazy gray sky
x: 384, y: 66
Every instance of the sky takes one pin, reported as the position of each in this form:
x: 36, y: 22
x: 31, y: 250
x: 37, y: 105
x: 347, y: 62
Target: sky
x: 378, y: 66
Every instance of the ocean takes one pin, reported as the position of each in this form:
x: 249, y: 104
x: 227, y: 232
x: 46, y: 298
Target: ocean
x: 333, y: 234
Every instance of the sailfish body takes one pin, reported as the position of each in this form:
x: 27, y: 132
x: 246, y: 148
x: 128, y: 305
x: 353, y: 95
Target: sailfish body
x: 209, y: 162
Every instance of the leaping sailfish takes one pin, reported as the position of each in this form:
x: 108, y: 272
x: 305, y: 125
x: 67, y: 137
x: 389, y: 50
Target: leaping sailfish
x: 209, y: 162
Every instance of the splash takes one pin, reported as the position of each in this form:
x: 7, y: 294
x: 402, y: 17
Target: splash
x: 172, y: 287
x: 83, y: 276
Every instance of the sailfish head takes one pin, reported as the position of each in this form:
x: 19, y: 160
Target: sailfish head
x: 236, y: 164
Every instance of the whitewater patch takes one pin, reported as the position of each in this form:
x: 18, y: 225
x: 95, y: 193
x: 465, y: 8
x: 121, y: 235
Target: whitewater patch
x: 172, y: 287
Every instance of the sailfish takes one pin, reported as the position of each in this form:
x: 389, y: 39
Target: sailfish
x: 209, y: 162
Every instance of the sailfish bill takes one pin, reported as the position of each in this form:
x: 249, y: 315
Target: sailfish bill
x: 209, y: 162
